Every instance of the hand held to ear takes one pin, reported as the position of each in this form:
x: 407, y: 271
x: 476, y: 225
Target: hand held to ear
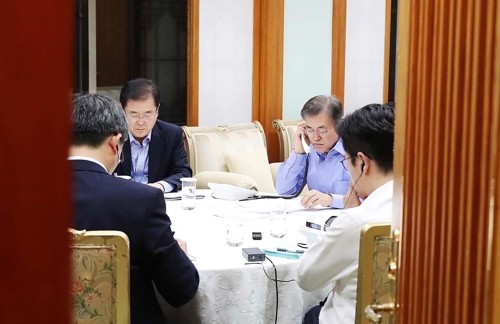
x: 305, y: 143
x: 301, y: 145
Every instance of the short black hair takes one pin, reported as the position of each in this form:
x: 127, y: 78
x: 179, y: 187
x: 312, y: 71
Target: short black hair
x: 370, y: 130
x: 139, y: 89
x: 94, y: 118
x: 317, y: 104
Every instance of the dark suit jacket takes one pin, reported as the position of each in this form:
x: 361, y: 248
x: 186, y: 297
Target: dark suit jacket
x: 104, y: 202
x: 167, y: 156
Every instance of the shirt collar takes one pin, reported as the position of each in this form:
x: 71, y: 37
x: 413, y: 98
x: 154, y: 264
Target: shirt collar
x: 136, y: 142
x: 86, y: 158
x: 338, y: 148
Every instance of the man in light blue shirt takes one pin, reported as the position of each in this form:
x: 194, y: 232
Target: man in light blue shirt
x: 326, y: 179
x: 154, y: 153
x: 140, y: 158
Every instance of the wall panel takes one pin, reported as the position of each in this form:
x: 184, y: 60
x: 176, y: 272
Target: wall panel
x: 36, y: 60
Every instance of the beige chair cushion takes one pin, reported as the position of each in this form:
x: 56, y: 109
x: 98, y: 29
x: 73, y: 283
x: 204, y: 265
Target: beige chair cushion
x: 286, y: 133
x: 93, y: 282
x: 274, y: 170
x: 374, y: 286
x: 235, y: 179
x: 100, y: 270
x: 206, y: 145
x: 254, y: 164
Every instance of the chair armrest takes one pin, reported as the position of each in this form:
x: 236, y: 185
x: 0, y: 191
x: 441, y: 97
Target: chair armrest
x: 235, y: 179
x: 274, y: 170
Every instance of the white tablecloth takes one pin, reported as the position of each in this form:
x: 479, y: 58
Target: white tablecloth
x: 231, y: 291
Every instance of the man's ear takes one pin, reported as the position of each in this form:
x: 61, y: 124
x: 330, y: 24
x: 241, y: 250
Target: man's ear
x: 365, y: 162
x: 116, y: 138
x: 114, y: 141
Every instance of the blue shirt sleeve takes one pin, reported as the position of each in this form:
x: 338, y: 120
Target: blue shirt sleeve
x: 291, y: 174
x: 325, y: 174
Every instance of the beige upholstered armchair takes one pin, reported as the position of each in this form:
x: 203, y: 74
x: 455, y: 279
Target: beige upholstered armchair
x: 374, y: 287
x: 286, y: 131
x: 232, y: 154
x: 100, y: 277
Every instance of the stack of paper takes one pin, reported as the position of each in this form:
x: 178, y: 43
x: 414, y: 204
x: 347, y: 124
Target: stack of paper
x: 230, y: 192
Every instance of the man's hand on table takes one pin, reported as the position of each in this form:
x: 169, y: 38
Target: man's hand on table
x: 314, y: 198
x: 157, y: 185
x: 182, y: 244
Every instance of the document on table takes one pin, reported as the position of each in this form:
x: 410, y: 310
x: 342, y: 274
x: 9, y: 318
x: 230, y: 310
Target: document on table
x: 266, y: 205
x: 236, y: 212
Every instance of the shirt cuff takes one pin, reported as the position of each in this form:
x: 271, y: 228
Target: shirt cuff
x: 167, y: 187
x: 298, y: 156
x: 298, y: 153
x: 337, y: 201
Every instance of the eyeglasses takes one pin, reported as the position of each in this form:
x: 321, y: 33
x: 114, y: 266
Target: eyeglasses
x: 343, y: 164
x: 319, y: 131
x: 136, y: 116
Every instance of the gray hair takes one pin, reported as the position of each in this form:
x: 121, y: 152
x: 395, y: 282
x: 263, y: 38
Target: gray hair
x: 95, y: 117
x: 330, y: 104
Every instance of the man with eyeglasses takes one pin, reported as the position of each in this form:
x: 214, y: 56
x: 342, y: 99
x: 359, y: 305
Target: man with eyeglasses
x: 154, y: 153
x: 104, y: 202
x: 368, y: 136
x: 321, y: 169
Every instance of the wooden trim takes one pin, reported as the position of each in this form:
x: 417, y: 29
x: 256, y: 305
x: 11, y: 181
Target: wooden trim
x: 494, y: 254
x: 267, y: 95
x: 92, y: 71
x: 193, y: 62
x: 387, y: 49
x: 338, y: 47
x: 256, y: 59
x: 401, y: 97
x: 446, y: 161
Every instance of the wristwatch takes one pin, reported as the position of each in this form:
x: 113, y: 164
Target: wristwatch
x: 298, y: 152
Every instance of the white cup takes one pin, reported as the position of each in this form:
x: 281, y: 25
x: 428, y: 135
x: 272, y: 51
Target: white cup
x: 277, y: 219
x: 188, y: 193
x: 234, y: 234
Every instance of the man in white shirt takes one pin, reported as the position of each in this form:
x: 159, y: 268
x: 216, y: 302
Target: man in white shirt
x: 368, y: 137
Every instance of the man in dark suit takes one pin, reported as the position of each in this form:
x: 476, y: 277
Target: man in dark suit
x: 104, y: 202
x: 154, y: 153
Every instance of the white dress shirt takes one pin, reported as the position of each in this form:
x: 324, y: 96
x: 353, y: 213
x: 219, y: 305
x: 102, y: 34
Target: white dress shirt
x: 333, y: 259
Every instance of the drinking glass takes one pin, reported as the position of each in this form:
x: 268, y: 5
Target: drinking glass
x: 277, y: 219
x: 188, y: 193
x: 234, y: 233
